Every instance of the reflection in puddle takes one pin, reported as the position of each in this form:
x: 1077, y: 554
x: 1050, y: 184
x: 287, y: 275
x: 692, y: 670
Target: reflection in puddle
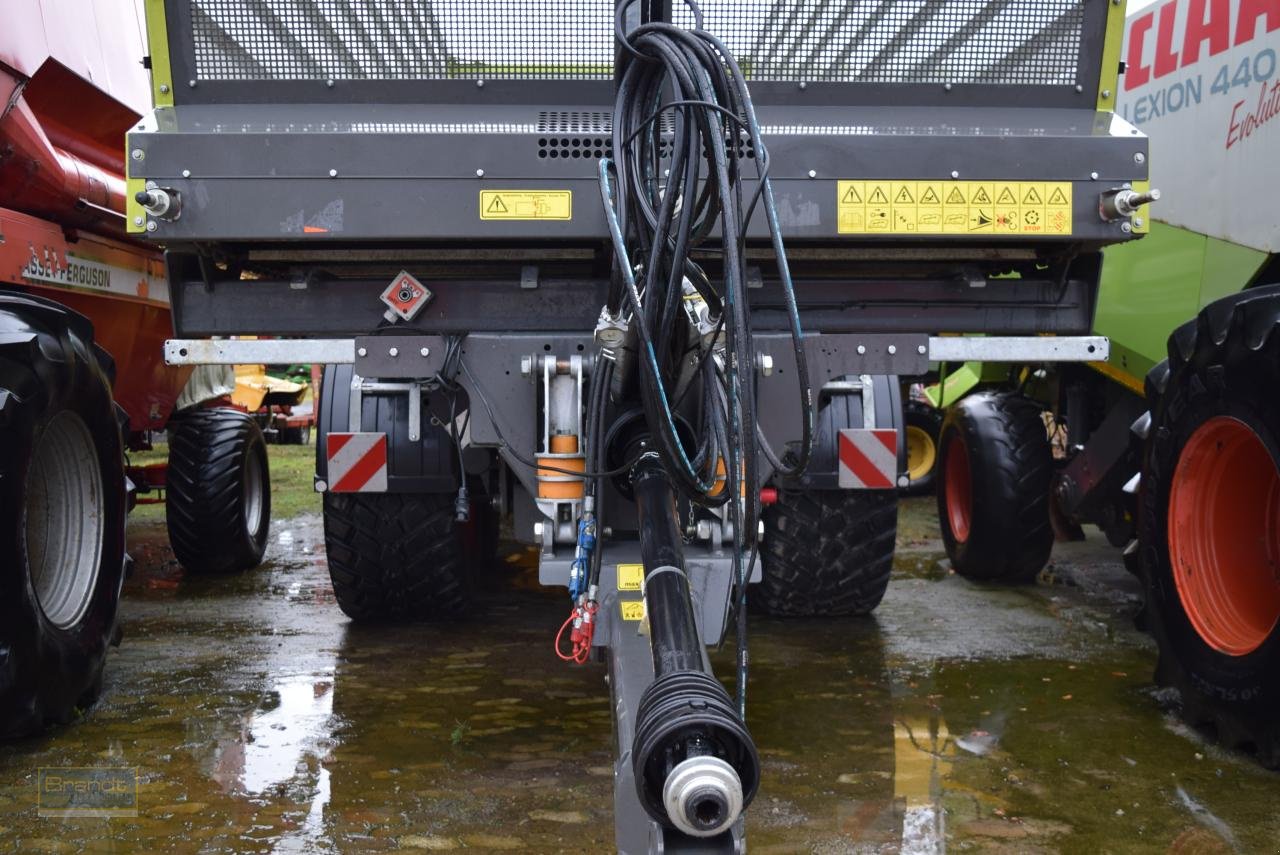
x: 920, y: 751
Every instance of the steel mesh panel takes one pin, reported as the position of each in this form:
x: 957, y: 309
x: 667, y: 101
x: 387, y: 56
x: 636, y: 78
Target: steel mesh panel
x: 402, y: 39
x: 1027, y: 42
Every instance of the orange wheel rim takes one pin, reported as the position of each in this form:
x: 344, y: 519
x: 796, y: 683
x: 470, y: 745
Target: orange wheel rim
x: 959, y: 489
x: 1224, y: 535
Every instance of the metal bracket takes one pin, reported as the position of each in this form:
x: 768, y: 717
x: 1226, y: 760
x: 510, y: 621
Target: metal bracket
x: 399, y: 355
x: 361, y: 387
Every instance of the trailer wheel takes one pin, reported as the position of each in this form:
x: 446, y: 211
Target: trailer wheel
x: 826, y: 552
x: 922, y: 424
x: 993, y: 499
x: 218, y: 502
x: 395, y: 556
x: 1209, y: 519
x: 62, y: 534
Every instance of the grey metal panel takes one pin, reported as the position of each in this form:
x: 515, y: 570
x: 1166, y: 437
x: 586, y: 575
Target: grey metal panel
x: 314, y: 210
x: 324, y: 308
x: 508, y: 142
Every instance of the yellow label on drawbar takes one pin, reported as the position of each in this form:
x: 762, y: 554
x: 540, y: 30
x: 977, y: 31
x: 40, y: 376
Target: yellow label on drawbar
x: 526, y: 204
x: 632, y: 609
x: 630, y: 577
x: 953, y: 207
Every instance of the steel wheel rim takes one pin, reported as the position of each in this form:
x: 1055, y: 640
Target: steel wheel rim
x: 252, y: 493
x: 1224, y: 535
x: 959, y: 489
x: 921, y: 452
x: 64, y: 519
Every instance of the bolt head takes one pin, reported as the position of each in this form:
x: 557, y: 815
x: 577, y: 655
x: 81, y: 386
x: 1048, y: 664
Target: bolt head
x: 151, y: 226
x: 947, y: 87
x: 1106, y: 93
x: 537, y: 530
x: 893, y: 348
x: 526, y: 365
x: 862, y: 348
x: 903, y: 481
x: 921, y: 349
x: 186, y: 173
x: 333, y: 173
x: 479, y: 173
x: 321, y: 486
x: 1139, y: 158
x: 955, y: 173
x: 479, y: 84
x: 425, y: 351
x: 191, y: 84
x: 137, y: 221
x: 1137, y: 222
x: 164, y: 88
x: 1093, y: 175
x: 393, y: 351
x: 329, y: 83
x: 1079, y: 88
x: 137, y: 154
x: 813, y: 173
x: 803, y: 85
x: 1126, y: 228
x: 362, y: 351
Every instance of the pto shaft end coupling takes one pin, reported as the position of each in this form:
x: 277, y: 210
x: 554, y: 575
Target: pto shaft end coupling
x: 695, y: 765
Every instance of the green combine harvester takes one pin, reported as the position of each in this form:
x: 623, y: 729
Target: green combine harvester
x: 1171, y: 446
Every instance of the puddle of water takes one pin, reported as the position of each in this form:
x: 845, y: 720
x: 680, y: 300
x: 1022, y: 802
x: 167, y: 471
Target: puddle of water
x: 958, y: 717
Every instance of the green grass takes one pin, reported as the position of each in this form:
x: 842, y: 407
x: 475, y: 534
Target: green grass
x: 291, y: 492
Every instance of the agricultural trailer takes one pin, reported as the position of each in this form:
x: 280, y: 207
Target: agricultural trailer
x: 1171, y: 446
x: 640, y: 278
x: 84, y: 312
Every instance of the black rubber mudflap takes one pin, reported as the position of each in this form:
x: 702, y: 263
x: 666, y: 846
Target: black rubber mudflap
x: 1225, y: 362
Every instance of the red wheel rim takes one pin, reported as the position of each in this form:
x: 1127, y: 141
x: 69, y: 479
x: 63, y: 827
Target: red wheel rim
x: 1224, y: 535
x: 959, y: 489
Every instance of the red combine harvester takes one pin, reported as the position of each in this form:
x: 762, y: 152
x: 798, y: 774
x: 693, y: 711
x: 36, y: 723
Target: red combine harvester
x: 84, y: 312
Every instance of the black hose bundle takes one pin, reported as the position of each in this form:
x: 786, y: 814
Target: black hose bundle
x: 681, y: 114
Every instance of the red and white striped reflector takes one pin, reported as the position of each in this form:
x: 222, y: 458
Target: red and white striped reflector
x: 868, y: 459
x: 357, y: 462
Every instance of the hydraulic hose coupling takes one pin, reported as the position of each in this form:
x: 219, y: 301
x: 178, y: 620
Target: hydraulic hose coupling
x: 695, y: 765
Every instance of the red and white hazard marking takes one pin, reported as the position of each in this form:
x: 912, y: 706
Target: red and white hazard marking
x: 868, y: 459
x: 357, y: 462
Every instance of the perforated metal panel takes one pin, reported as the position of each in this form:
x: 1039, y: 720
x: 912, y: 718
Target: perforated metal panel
x: 1027, y: 42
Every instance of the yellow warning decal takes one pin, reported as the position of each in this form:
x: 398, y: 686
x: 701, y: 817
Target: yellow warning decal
x: 630, y: 576
x: 954, y: 207
x: 526, y: 204
x: 632, y: 609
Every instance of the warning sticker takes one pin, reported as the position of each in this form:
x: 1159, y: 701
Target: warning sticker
x: 630, y: 576
x: 954, y: 207
x: 632, y: 609
x: 526, y: 204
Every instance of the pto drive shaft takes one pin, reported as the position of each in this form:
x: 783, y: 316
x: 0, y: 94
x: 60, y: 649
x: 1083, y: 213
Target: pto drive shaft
x: 696, y: 768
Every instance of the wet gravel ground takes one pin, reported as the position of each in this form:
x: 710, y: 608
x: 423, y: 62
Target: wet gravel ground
x: 958, y: 717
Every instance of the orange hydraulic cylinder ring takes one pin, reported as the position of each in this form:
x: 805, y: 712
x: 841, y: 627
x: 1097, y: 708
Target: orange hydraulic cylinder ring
x: 553, y: 484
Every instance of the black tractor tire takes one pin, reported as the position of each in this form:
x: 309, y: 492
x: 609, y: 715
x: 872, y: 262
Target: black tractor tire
x: 396, y: 556
x: 218, y: 497
x: 62, y: 523
x: 826, y: 552
x: 922, y: 424
x: 995, y: 471
x: 1209, y: 520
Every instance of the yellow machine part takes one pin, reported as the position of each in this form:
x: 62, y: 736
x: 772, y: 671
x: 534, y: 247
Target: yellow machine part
x: 256, y: 389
